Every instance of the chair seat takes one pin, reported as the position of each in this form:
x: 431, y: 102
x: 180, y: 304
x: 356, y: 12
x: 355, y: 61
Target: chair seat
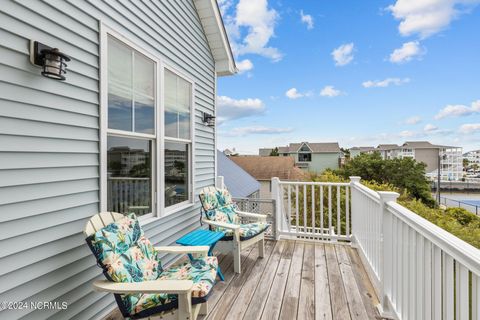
x: 201, y: 271
x: 247, y: 231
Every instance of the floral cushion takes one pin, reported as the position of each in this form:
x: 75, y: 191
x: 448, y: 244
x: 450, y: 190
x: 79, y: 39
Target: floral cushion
x: 124, y: 253
x: 209, y: 200
x: 201, y: 271
x: 224, y: 198
x: 247, y: 231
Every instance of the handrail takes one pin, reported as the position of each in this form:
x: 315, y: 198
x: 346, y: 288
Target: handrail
x: 308, y: 183
x: 458, y: 249
x: 367, y: 191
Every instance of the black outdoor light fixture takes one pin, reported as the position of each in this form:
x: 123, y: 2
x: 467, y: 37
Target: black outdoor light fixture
x: 208, y: 120
x: 50, y: 59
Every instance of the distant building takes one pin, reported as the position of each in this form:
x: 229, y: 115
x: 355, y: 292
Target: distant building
x: 314, y: 157
x: 229, y: 152
x: 356, y: 151
x: 263, y: 169
x: 238, y: 181
x: 451, y: 166
x: 473, y: 157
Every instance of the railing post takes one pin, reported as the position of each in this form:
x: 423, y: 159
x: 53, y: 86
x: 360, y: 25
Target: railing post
x: 278, y: 215
x: 386, y: 243
x: 220, y: 183
x: 354, y: 207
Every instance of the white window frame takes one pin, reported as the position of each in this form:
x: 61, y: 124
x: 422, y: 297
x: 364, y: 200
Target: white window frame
x: 158, y: 147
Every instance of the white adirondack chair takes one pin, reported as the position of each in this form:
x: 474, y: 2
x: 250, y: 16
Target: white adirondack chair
x: 240, y: 237
x: 182, y: 288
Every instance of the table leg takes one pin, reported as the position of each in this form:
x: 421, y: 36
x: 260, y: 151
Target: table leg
x: 219, y: 272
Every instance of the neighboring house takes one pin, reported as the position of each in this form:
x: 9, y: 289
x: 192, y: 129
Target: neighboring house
x: 356, y: 151
x: 239, y: 182
x: 451, y: 166
x: 315, y: 157
x: 95, y: 142
x: 263, y: 169
x: 388, y: 151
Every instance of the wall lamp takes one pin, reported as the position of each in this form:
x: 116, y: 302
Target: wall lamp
x: 50, y: 59
x: 208, y: 120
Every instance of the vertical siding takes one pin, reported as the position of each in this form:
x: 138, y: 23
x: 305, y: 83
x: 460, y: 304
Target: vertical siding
x: 49, y: 142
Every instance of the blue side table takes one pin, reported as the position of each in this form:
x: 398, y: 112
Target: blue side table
x: 202, y: 237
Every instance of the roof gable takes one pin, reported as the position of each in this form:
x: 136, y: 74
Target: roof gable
x: 214, y: 29
x: 239, y: 182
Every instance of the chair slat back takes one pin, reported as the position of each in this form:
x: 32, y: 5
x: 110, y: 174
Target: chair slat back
x: 101, y: 220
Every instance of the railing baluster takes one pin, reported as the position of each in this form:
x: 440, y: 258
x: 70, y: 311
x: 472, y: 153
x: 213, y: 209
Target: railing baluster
x: 420, y: 256
x: 428, y: 274
x: 448, y: 309
x: 289, y: 201
x: 296, y: 207
x: 329, y: 209
x: 347, y: 210
x: 462, y: 296
x: 437, y: 283
x: 412, y: 272
x: 339, y: 223
x: 405, y: 278
x: 321, y: 212
x: 475, y: 297
x: 313, y: 211
x: 305, y: 208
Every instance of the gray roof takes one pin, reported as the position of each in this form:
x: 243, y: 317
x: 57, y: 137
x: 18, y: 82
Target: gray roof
x: 423, y: 145
x: 238, y: 181
x: 322, y: 147
x: 387, y: 146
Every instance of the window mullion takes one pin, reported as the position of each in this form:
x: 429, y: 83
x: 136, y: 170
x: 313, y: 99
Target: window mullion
x: 133, y: 91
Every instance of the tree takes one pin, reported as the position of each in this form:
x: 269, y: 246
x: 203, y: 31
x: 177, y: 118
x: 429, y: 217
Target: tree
x: 406, y: 174
x: 274, y: 152
x: 465, y: 163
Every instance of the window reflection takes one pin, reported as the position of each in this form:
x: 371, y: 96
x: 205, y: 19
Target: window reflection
x: 176, y: 173
x: 129, y: 175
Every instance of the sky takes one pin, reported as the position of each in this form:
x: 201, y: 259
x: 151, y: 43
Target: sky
x: 355, y: 72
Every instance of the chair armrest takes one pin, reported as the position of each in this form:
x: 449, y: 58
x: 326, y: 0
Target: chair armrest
x: 221, y: 224
x: 155, y: 286
x: 184, y: 249
x: 257, y: 216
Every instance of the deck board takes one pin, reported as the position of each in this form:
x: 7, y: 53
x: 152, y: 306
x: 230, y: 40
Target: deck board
x: 295, y: 280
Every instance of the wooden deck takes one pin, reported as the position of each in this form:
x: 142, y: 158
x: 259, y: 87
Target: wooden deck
x: 295, y: 280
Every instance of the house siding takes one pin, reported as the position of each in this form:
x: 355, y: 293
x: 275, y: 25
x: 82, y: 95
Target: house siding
x: 49, y: 142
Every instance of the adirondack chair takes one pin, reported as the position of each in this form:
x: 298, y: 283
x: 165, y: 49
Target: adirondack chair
x: 142, y: 288
x: 222, y: 214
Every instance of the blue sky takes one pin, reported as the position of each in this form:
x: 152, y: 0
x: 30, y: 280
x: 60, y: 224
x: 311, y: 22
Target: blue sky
x: 356, y: 72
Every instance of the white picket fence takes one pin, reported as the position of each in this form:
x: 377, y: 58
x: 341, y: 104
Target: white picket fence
x: 419, y: 270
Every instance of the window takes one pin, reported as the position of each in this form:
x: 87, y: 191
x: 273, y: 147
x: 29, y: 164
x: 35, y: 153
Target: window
x: 131, y: 132
x: 140, y: 157
x: 178, y: 143
x: 304, y: 157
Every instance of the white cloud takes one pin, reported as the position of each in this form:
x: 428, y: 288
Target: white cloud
x: 459, y: 110
x: 427, y: 17
x: 307, y: 19
x: 413, y: 120
x: 231, y: 109
x: 250, y: 27
x: 407, y: 52
x: 330, y: 91
x: 429, y: 128
x: 242, y: 131
x: 406, y: 134
x: 343, y: 55
x: 385, y: 83
x: 470, y: 128
x: 293, y: 93
x: 244, y: 66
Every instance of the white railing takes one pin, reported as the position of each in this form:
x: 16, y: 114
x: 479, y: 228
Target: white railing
x: 419, y: 270
x: 312, y: 210
x: 129, y: 195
